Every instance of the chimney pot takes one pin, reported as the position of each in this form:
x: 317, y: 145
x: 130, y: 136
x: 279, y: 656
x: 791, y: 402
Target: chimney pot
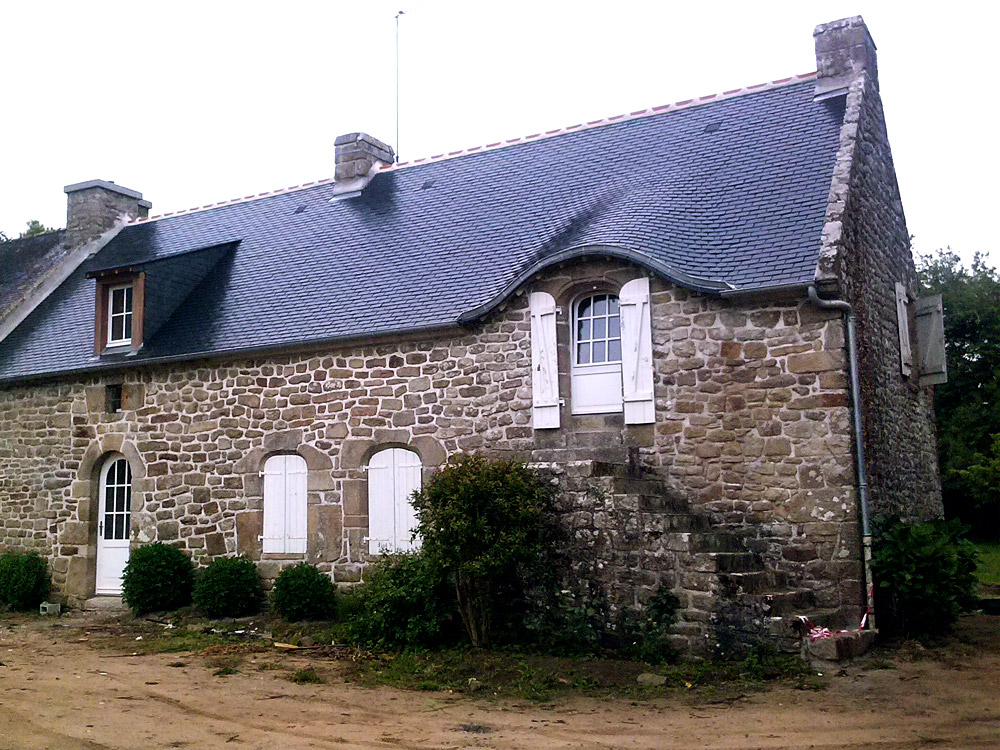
x: 844, y: 49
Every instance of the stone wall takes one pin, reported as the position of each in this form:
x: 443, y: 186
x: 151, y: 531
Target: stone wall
x: 750, y: 450
x: 866, y: 253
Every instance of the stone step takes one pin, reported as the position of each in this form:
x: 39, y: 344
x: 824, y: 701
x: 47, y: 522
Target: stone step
x: 104, y: 604
x: 716, y: 541
x: 613, y: 457
x: 662, y: 503
x: 737, y: 562
x: 789, y: 602
x: 754, y: 582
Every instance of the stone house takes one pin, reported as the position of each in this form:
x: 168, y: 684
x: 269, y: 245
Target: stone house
x: 664, y: 310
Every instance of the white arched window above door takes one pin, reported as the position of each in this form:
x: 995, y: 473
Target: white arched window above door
x: 393, y: 475
x: 596, y: 374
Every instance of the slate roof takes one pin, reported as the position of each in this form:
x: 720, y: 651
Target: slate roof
x: 730, y: 194
x: 24, y: 262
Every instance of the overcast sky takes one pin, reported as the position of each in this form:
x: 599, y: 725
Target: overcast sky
x: 198, y: 102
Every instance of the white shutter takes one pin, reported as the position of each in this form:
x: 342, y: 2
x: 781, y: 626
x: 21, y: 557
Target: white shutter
x: 296, y: 514
x: 930, y: 341
x: 274, y: 504
x: 407, y: 481
x: 381, y: 504
x: 903, y: 321
x: 637, y: 352
x: 544, y: 363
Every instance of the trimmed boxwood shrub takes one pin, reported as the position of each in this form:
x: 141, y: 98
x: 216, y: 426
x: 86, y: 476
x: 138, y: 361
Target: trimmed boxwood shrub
x: 157, y: 578
x: 304, y: 593
x: 229, y: 587
x: 24, y: 580
x: 925, y: 576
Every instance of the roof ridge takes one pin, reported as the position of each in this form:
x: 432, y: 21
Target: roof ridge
x: 614, y: 120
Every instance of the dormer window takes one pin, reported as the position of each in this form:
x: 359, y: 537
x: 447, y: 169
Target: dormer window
x: 120, y: 315
x: 119, y: 312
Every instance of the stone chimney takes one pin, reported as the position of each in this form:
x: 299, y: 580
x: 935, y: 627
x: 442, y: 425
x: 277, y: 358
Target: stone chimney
x: 93, y: 207
x: 844, y: 48
x: 357, y: 153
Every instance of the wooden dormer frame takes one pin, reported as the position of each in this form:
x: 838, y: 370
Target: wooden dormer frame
x: 107, y: 281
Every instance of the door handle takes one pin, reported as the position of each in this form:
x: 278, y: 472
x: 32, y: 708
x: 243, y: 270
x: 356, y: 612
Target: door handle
x: 100, y: 528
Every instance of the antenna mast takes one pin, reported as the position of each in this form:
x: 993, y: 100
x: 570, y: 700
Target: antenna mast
x: 397, y: 83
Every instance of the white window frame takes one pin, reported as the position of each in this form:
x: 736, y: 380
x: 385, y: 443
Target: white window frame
x: 128, y: 306
x: 605, y: 377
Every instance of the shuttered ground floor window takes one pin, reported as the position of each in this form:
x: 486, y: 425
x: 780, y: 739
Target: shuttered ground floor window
x: 393, y: 475
x: 285, y: 486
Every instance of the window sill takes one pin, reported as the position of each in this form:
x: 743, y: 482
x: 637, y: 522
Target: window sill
x: 282, y: 555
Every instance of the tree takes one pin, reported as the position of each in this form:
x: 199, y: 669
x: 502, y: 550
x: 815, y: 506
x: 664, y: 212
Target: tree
x: 968, y: 406
x: 35, y: 227
x: 483, y: 523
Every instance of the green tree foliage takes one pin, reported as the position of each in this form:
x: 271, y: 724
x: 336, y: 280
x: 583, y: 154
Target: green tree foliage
x: 35, y: 227
x: 926, y: 576
x: 968, y: 405
x: 483, y: 523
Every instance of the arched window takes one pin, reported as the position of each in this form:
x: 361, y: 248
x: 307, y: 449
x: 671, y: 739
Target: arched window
x: 114, y: 523
x: 597, y: 355
x: 393, y: 475
x: 285, y: 506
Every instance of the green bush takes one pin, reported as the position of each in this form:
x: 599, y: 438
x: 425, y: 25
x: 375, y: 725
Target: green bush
x: 24, y: 580
x: 645, y: 635
x: 406, y: 603
x: 157, y: 578
x: 925, y: 576
x: 304, y: 593
x: 483, y: 522
x: 229, y: 587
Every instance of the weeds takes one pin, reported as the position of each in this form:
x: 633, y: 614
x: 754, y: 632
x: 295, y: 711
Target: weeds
x: 306, y: 675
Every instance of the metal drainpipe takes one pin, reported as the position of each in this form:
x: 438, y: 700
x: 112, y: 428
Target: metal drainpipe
x: 859, y: 442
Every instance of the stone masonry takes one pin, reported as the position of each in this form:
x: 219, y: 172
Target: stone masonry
x: 752, y: 436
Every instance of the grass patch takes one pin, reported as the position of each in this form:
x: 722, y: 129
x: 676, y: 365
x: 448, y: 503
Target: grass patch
x: 988, y: 572
x: 306, y: 676
x: 225, y: 665
x: 541, y: 678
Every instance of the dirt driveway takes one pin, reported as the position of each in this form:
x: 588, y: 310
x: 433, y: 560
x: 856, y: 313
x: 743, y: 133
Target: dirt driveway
x: 60, y: 693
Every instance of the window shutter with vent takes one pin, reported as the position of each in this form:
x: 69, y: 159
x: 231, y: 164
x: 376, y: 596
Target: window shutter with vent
x: 544, y: 364
x: 637, y: 352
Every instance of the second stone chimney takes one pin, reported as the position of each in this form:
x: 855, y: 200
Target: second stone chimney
x: 357, y: 153
x: 844, y: 48
x: 93, y: 207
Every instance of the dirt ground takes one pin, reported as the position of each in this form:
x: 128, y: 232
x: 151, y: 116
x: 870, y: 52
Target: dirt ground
x: 60, y: 692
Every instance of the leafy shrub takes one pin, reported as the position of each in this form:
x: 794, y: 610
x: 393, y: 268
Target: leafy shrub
x: 926, y: 576
x: 24, y: 580
x: 644, y: 635
x: 406, y: 603
x: 157, y: 578
x: 304, y: 593
x: 482, y: 522
x: 229, y: 587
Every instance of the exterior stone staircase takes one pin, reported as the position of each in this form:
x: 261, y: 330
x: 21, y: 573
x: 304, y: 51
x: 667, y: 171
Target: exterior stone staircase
x: 631, y: 532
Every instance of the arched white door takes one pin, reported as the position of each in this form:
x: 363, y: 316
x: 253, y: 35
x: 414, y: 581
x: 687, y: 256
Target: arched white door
x: 393, y: 475
x: 113, y: 523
